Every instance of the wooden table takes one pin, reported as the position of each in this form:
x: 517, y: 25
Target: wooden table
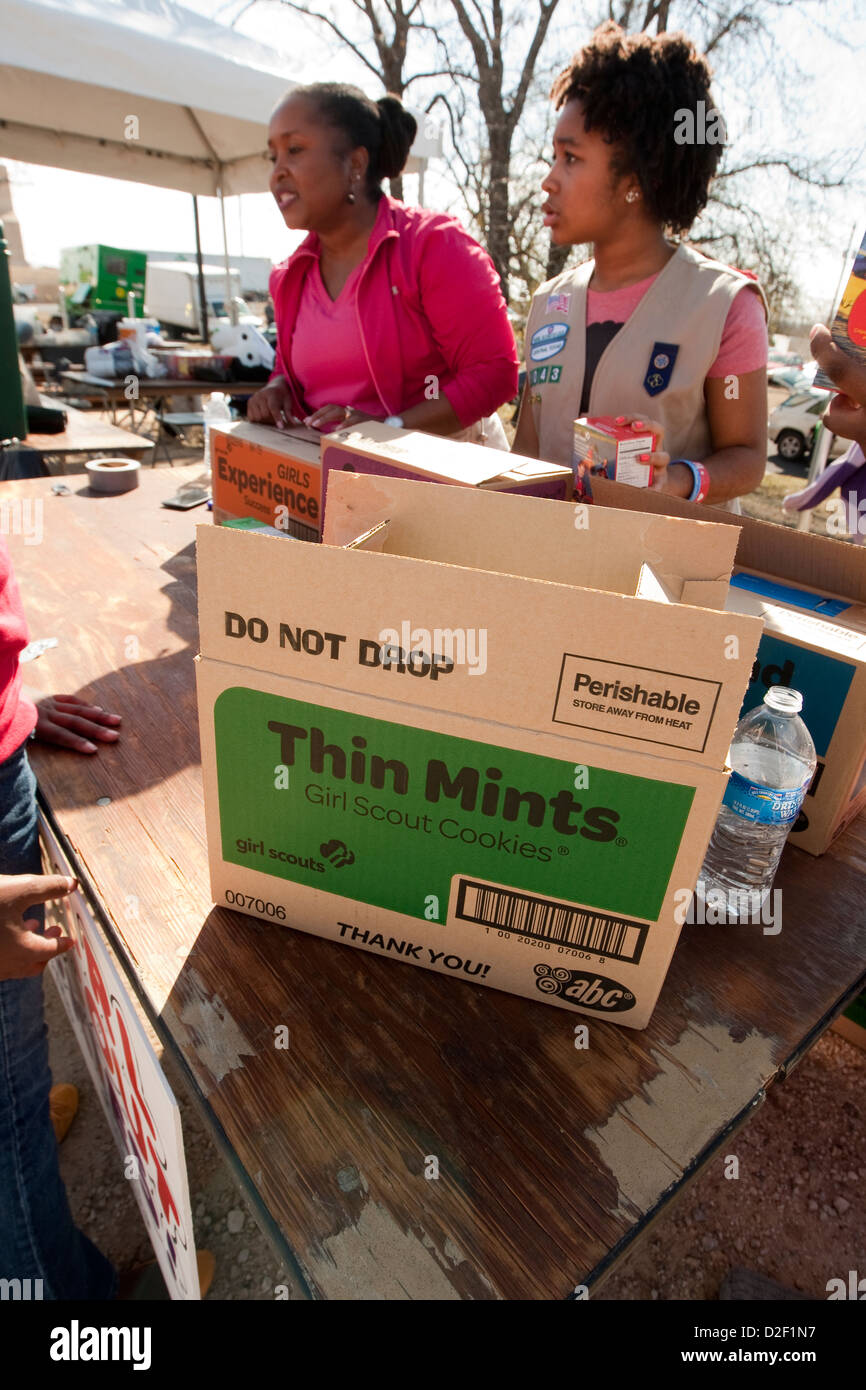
x: 86, y: 437
x: 155, y: 394
x: 551, y: 1159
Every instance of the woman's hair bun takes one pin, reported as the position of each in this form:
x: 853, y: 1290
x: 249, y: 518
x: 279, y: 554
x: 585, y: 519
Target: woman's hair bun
x: 399, y: 129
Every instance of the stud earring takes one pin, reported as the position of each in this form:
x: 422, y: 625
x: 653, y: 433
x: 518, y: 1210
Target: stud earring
x: 350, y: 197
x: 631, y: 196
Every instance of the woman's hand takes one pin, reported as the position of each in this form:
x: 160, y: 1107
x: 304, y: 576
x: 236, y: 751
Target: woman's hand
x: 72, y: 723
x: 331, y: 417
x: 272, y: 405
x: 23, y: 951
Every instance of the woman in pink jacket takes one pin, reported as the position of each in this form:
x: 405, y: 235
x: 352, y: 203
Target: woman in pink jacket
x: 384, y: 311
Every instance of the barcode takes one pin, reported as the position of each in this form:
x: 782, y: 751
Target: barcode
x: 299, y: 529
x: 526, y: 915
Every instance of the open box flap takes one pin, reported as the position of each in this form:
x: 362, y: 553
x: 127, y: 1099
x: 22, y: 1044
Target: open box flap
x: 523, y: 652
x: 533, y: 537
x: 821, y: 563
x: 432, y: 456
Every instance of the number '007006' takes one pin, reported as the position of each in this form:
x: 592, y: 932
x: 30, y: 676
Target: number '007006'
x: 235, y: 899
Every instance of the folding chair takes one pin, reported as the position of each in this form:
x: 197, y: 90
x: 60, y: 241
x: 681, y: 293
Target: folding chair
x: 179, y: 421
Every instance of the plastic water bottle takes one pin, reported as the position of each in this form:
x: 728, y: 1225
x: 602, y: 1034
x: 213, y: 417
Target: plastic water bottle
x: 216, y: 412
x: 773, y: 761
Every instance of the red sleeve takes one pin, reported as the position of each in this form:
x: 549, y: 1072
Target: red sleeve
x: 17, y: 714
x: 462, y: 301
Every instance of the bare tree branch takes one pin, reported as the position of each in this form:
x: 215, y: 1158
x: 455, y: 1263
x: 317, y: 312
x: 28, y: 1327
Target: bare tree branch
x: 344, y: 38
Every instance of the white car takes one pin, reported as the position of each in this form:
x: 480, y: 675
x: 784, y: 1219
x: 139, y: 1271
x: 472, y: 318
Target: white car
x: 792, y: 424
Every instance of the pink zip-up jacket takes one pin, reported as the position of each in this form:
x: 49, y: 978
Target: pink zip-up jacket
x: 429, y: 303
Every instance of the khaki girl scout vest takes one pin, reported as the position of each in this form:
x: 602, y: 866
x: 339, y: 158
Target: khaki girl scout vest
x: 656, y: 364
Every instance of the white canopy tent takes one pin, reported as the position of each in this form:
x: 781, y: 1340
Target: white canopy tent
x: 143, y: 90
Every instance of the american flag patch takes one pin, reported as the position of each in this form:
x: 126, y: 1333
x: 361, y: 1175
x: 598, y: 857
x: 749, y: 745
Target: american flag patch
x: 558, y: 303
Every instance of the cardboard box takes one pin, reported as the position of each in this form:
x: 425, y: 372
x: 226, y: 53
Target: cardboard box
x: 257, y: 472
x: 852, y: 1023
x: 195, y: 365
x: 395, y: 757
x: 810, y: 592
x: 603, y: 446
x: 280, y: 476
x: 849, y: 322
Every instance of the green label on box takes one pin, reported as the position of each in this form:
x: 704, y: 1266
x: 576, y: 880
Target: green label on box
x: 386, y: 814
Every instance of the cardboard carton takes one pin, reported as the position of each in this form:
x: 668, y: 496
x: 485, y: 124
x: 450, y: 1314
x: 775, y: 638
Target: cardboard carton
x: 852, y: 1023
x: 601, y: 445
x: 493, y: 746
x: 810, y: 593
x: 280, y: 476
x: 848, y: 328
x: 258, y: 473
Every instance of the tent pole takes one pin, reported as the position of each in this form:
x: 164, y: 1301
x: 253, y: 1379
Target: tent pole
x: 202, y: 293
x: 13, y: 417
x: 231, y: 308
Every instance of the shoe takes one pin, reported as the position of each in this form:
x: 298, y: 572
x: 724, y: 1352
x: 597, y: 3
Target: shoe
x: 145, y: 1284
x: 63, y: 1107
x: 206, y: 1262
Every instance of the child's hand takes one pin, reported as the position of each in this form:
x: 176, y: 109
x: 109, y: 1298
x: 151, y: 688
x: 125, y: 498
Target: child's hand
x: 846, y: 413
x: 72, y: 723
x: 23, y: 952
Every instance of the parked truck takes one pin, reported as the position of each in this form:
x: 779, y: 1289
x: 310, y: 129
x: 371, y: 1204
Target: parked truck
x: 97, y: 279
x: 172, y: 296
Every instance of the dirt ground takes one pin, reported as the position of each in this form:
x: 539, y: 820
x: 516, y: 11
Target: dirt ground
x: 795, y: 1213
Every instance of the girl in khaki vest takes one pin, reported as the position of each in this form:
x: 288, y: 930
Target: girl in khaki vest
x: 648, y: 329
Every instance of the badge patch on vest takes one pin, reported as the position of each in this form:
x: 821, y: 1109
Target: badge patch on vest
x: 547, y: 341
x: 661, y: 366
x: 558, y: 303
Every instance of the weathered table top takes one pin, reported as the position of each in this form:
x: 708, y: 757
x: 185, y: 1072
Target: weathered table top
x: 87, y: 434
x: 550, y: 1159
x: 100, y: 388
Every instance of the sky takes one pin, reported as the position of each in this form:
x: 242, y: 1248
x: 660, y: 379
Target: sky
x: 58, y: 208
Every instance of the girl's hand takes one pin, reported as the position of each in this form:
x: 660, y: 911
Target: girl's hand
x: 667, y: 477
x: 23, y: 951
x: 846, y: 411
x: 334, y: 417
x: 72, y: 723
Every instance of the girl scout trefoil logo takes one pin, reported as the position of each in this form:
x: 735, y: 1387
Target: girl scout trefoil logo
x: 661, y: 365
x: 547, y: 341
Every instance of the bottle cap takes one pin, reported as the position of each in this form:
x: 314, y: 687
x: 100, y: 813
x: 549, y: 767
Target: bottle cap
x: 783, y: 699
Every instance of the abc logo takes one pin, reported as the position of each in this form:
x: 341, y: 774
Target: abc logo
x: 589, y: 991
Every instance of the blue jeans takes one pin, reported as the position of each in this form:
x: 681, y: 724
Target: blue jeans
x: 38, y: 1239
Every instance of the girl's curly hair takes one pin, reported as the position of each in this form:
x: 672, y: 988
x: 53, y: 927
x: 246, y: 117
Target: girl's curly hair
x: 631, y: 88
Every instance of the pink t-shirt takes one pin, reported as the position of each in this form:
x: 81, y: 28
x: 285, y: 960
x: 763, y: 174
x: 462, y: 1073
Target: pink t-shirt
x: 327, y: 353
x: 744, y: 339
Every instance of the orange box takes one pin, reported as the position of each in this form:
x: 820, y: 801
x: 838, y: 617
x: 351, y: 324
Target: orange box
x: 250, y: 478
x: 280, y: 477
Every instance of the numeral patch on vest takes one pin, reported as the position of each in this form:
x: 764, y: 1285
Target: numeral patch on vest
x: 548, y: 374
x: 661, y: 366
